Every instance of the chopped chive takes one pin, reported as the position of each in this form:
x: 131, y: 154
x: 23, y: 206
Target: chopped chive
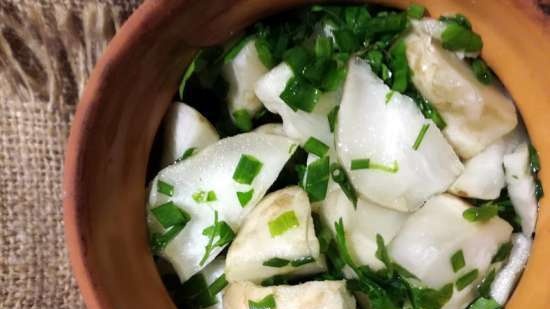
x: 211, y: 196
x: 165, y: 188
x: 204, y: 196
x: 188, y: 73
x: 235, y: 49
x: 292, y: 148
x: 466, y: 279
x: 416, y: 11
x: 196, y: 288
x: 168, y: 214
x: 400, y: 66
x: 300, y: 95
x: 427, y: 298
x: 323, y: 47
x: 341, y: 243
x: 420, y: 136
x: 297, y: 58
x: 317, y: 177
x: 245, y: 197
x: 302, y: 261
x: 374, y: 58
x: 264, y: 53
x: 503, y: 253
x: 346, y: 40
x: 283, y: 223
x: 332, y: 117
x: 247, y: 169
x: 484, y: 288
x: 159, y: 241
x: 186, y: 154
x: 316, y: 147
x: 427, y: 108
x: 382, y: 253
x: 242, y: 120
x: 218, y: 285
x: 276, y: 262
x: 389, y: 96
x: 333, y: 77
x: 481, y: 214
x: 482, y: 71
x: 485, y: 303
x: 458, y: 19
x: 457, y: 261
x: 275, y: 280
x: 341, y: 178
x: 301, y: 171
x: 267, y: 302
x: 457, y: 37
x: 389, y: 23
x: 359, y: 164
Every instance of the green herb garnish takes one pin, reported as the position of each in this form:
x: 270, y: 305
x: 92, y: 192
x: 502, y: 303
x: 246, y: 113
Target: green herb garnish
x: 482, y: 71
x: 481, y: 214
x: 300, y: 95
x: 235, y: 49
x: 332, y: 117
x: 165, y: 188
x: 283, y: 223
x: 245, y: 197
x: 204, y: 196
x: 382, y: 254
x: 416, y: 11
x: 247, y: 169
x: 264, y: 53
x: 457, y: 261
x: 400, y: 66
x: 159, y: 241
x: 316, y: 179
x: 466, y: 279
x: 484, y: 288
x: 457, y: 37
x: 267, y: 302
x: 242, y: 120
x: 389, y: 96
x: 420, y: 136
x: 168, y: 214
x: 359, y: 164
x: 340, y: 176
x: 485, y: 303
x: 426, y: 107
x: 503, y: 253
x: 186, y: 154
x: 188, y: 73
x: 316, y: 147
x: 302, y: 261
x: 276, y: 262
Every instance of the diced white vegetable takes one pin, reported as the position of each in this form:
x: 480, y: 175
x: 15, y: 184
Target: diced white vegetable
x: 384, y: 133
x: 483, y: 175
x: 431, y: 236
x: 185, y: 128
x: 212, y: 169
x: 212, y: 272
x: 298, y: 124
x: 361, y: 225
x: 507, y: 277
x: 255, y: 245
x: 521, y: 187
x: 313, y: 294
x: 242, y: 73
x: 271, y: 128
x: 476, y: 114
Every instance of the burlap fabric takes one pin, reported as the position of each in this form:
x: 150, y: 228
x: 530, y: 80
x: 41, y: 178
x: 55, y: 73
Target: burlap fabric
x: 47, y: 50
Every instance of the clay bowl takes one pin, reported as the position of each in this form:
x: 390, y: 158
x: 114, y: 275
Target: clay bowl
x: 133, y: 84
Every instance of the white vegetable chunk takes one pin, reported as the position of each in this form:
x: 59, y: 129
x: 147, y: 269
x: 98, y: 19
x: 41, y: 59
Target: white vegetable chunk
x: 385, y: 133
x: 313, y: 294
x: 212, y: 272
x: 298, y: 124
x: 361, y: 225
x: 431, y: 236
x: 506, y: 279
x: 521, y: 187
x: 255, y: 244
x: 242, y: 73
x: 476, y: 114
x: 271, y: 128
x: 185, y: 128
x: 483, y: 175
x: 212, y: 169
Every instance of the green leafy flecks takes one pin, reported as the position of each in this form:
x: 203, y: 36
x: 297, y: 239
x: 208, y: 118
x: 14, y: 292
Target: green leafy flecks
x: 316, y: 179
x: 245, y: 197
x: 340, y: 176
x: 283, y: 223
x: 220, y: 230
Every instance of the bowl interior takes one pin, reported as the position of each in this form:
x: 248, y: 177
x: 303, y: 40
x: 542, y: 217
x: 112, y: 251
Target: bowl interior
x: 134, y: 82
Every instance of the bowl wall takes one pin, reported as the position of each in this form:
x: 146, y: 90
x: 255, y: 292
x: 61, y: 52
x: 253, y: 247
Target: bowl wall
x: 134, y: 82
